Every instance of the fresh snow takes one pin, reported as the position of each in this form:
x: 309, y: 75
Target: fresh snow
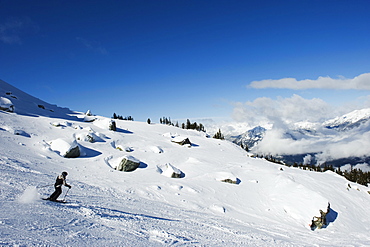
x: 270, y: 205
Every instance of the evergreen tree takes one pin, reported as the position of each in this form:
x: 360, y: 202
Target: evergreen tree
x: 188, y: 124
x: 338, y: 171
x: 219, y: 135
x: 201, y: 127
x: 148, y: 121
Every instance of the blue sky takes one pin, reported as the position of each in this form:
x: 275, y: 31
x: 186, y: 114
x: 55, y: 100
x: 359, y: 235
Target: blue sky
x: 188, y: 59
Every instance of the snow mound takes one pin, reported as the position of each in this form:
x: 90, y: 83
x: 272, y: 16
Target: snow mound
x: 217, y: 209
x: 156, y: 149
x: 227, y: 177
x: 295, y: 200
x: 170, y: 135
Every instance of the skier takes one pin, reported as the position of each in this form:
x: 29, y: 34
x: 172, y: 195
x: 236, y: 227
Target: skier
x: 61, y: 180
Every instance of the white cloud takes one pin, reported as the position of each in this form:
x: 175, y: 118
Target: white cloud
x: 361, y: 82
x: 282, y: 110
x: 350, y: 145
x: 276, y: 142
x: 307, y: 159
x: 13, y: 29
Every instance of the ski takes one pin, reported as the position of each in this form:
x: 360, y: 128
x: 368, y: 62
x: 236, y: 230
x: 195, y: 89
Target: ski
x: 59, y: 201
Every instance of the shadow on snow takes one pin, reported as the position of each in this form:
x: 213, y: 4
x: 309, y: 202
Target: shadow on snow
x: 109, y: 213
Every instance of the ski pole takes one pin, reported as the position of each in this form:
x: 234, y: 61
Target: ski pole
x: 39, y: 187
x: 66, y: 194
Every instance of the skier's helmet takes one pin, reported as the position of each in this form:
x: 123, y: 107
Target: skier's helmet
x: 64, y: 174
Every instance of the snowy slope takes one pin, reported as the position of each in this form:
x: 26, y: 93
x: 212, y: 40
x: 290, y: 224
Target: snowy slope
x: 266, y: 206
x: 26, y: 104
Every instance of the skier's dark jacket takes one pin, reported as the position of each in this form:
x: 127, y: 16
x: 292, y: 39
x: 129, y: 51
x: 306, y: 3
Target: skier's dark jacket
x: 61, y: 181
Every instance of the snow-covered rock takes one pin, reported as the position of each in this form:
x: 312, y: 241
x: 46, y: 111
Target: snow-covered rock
x: 127, y: 164
x: 6, y: 104
x: 170, y: 171
x: 88, y: 113
x: 105, y: 123
x: 88, y: 136
x: 183, y: 141
x: 65, y: 148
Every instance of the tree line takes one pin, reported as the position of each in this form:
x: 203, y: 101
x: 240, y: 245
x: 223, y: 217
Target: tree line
x: 129, y: 118
x: 167, y: 121
x: 188, y: 125
x: 354, y: 175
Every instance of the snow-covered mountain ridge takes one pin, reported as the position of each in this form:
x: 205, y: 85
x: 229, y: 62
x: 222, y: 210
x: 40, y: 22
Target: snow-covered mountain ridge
x: 266, y: 206
x: 340, y: 141
x: 249, y: 138
x: 349, y: 121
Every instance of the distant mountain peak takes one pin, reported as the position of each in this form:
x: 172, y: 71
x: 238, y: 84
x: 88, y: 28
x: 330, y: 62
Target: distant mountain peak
x: 349, y: 121
x: 249, y: 138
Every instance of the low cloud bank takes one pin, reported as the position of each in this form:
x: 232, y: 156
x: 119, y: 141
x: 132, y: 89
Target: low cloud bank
x: 282, y: 111
x: 286, y: 138
x: 361, y: 82
x: 327, y: 144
